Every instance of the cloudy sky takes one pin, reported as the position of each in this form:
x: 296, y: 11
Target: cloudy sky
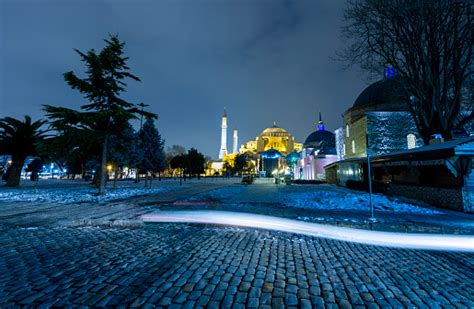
x: 264, y: 60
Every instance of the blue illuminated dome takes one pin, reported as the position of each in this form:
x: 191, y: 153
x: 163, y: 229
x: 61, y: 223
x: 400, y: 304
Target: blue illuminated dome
x: 271, y: 154
x: 320, y: 139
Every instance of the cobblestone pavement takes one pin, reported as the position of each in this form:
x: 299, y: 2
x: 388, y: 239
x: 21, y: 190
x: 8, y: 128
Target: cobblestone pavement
x: 189, y: 265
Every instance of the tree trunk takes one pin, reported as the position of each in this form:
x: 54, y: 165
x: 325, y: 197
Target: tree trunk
x: 151, y: 179
x: 103, y: 167
x: 15, y: 171
x: 146, y: 179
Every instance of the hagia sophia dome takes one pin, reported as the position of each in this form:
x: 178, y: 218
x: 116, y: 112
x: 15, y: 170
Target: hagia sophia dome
x: 274, y: 131
x: 273, y: 137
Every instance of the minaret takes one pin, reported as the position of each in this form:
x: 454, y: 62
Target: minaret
x: 321, y: 123
x: 223, y: 151
x: 234, y: 145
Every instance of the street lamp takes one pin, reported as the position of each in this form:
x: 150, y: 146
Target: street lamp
x: 372, y: 218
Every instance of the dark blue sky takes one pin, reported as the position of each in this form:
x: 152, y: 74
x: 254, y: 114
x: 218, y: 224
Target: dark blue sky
x: 264, y: 60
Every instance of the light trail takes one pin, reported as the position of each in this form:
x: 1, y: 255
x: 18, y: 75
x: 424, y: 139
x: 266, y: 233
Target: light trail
x: 389, y: 239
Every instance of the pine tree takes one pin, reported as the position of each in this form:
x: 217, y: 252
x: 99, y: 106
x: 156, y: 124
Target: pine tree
x: 151, y: 146
x: 106, y: 114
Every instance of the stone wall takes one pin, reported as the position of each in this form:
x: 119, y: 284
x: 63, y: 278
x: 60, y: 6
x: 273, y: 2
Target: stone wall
x: 357, y: 133
x: 387, y: 131
x: 440, y: 197
x: 339, y: 136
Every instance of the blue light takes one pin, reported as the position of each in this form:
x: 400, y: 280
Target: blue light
x: 390, y: 72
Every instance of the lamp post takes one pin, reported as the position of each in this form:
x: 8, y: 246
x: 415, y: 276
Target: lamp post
x: 372, y: 218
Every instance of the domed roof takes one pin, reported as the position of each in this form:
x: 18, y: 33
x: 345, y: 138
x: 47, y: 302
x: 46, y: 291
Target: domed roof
x: 386, y: 94
x: 320, y: 139
x: 271, y: 154
x: 274, y: 130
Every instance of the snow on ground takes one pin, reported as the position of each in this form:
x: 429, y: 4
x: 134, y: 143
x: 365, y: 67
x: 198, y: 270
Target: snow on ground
x: 81, y: 192
x: 337, y: 198
x: 320, y: 197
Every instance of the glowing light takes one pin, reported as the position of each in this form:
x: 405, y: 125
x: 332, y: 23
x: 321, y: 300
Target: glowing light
x: 389, y: 239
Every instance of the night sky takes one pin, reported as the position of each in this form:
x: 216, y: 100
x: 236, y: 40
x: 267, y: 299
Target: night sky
x: 263, y: 60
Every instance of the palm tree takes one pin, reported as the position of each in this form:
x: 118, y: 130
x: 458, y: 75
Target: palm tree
x: 19, y: 140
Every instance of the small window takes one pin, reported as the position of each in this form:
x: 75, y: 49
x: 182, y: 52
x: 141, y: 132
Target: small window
x: 344, y: 149
x: 347, y: 130
x: 353, y: 146
x: 411, y: 141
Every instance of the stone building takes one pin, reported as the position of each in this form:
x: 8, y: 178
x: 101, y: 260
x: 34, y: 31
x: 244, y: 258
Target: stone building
x: 441, y: 174
x: 379, y: 121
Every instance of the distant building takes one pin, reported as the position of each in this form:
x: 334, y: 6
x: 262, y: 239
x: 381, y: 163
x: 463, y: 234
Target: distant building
x: 319, y: 149
x: 272, y: 138
x: 269, y: 149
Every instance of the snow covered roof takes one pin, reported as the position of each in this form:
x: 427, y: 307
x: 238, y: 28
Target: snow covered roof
x: 462, y: 146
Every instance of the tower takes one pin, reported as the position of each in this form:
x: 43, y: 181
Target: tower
x: 321, y: 123
x: 235, y: 143
x: 223, y: 151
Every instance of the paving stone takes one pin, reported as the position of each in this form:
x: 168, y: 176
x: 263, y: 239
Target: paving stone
x: 291, y: 299
x: 305, y: 304
x: 196, y: 266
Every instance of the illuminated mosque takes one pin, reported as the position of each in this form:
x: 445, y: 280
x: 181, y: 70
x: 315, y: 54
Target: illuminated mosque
x: 267, y: 151
x: 275, y: 138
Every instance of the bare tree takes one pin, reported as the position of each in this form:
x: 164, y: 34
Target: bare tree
x: 429, y: 44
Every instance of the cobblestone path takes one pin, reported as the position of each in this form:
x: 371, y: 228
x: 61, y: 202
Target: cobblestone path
x: 190, y: 265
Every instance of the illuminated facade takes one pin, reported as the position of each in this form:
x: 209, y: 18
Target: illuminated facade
x: 272, y: 138
x: 319, y: 150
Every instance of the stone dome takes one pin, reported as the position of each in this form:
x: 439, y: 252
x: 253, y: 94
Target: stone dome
x: 384, y: 95
x: 320, y: 139
x: 274, y: 131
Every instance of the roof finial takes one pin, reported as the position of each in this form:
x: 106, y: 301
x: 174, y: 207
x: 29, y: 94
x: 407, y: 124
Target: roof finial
x: 321, y: 123
x: 274, y: 124
x: 225, y: 113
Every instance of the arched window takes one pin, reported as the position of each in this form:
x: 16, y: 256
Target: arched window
x: 343, y: 149
x: 347, y: 130
x: 411, y: 141
x: 353, y: 146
